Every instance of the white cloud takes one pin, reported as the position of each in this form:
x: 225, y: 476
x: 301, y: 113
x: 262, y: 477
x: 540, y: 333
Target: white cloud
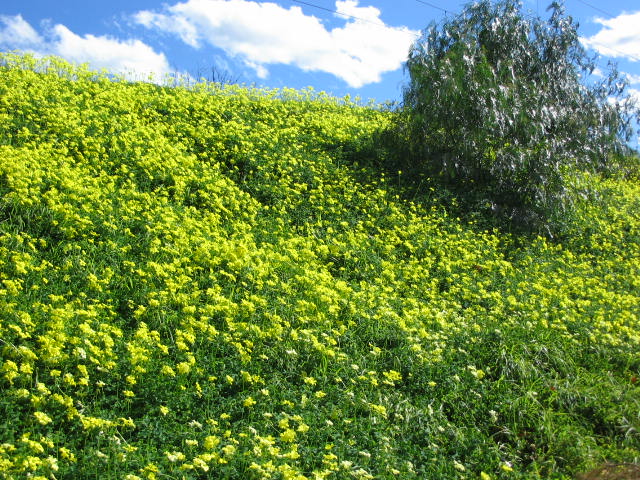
x: 264, y: 33
x: 619, y: 37
x: 633, y: 79
x: 635, y: 94
x: 16, y: 33
x: 125, y: 56
x: 130, y: 57
x: 351, y: 8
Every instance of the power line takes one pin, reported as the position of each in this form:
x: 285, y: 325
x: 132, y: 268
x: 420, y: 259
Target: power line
x: 378, y: 24
x: 334, y: 11
x: 595, y: 44
x: 382, y: 25
x: 446, y: 12
x: 596, y: 8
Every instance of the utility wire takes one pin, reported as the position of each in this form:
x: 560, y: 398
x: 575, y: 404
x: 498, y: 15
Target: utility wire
x: 382, y: 25
x: 595, y: 44
x: 446, y: 12
x: 610, y: 15
x: 378, y: 24
x: 596, y: 8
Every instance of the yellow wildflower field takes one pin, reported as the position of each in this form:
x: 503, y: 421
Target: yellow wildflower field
x: 214, y: 281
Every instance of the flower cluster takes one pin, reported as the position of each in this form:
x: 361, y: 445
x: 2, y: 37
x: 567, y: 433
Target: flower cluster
x: 214, y: 281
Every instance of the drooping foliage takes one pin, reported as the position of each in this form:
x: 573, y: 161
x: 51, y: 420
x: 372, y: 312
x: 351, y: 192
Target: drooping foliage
x: 505, y: 104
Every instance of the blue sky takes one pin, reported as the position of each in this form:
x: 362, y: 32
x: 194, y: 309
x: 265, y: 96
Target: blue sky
x: 279, y: 43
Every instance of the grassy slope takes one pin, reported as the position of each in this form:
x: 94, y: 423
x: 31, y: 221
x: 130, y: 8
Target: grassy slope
x: 205, y: 282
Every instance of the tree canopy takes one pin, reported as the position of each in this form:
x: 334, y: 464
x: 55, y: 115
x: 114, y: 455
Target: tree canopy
x: 506, y: 104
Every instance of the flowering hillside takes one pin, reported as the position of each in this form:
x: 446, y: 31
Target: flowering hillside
x: 214, y: 282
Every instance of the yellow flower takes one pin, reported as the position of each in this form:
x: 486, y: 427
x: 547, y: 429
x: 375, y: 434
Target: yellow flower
x: 211, y: 442
x: 201, y: 464
x: 229, y: 450
x: 183, y: 368
x: 288, y: 435
x: 42, y: 418
x: 506, y: 466
x: 67, y: 454
x: 392, y: 376
x: 379, y: 409
x: 175, y: 456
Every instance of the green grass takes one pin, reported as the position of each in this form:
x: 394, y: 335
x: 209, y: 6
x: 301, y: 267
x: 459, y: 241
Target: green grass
x: 215, y: 282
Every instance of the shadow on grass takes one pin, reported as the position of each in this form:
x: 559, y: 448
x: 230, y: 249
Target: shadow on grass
x: 613, y: 471
x: 386, y: 154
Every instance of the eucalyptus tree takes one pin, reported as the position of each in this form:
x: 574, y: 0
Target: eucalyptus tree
x: 506, y: 105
